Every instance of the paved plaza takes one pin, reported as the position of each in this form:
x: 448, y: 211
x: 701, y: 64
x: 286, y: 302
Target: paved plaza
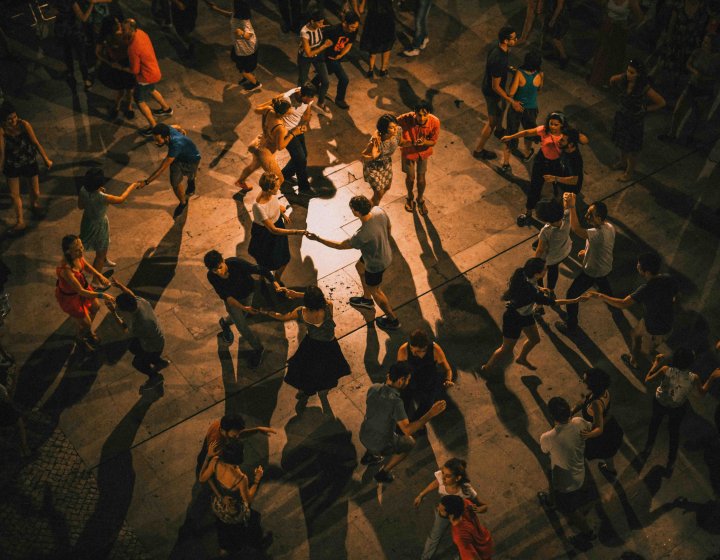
x: 113, y: 472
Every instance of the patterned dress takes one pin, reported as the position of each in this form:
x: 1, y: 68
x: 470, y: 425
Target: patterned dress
x: 378, y: 172
x: 629, y: 123
x: 94, y: 227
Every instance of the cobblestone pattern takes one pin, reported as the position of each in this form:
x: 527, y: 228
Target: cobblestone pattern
x: 46, y: 503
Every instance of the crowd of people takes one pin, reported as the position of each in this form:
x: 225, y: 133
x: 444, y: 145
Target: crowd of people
x: 398, y: 410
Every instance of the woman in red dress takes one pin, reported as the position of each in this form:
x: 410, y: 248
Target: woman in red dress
x: 73, y: 292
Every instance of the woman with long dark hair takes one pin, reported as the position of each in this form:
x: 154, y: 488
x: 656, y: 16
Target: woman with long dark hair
x: 268, y: 236
x: 377, y: 156
x: 318, y: 363
x: 605, y: 437
x: 522, y: 295
x: 637, y: 98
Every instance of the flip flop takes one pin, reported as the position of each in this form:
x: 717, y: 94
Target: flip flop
x: 422, y: 209
x: 409, y: 205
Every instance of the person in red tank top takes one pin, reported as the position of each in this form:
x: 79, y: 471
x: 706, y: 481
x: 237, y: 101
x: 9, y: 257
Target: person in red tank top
x: 472, y: 540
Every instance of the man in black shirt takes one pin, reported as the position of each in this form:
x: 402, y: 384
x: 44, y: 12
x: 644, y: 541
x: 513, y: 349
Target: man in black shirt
x: 493, y: 89
x: 657, y: 297
x: 343, y: 36
x: 233, y: 282
x: 571, y: 163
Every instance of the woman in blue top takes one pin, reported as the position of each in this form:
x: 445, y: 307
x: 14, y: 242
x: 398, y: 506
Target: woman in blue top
x: 526, y: 84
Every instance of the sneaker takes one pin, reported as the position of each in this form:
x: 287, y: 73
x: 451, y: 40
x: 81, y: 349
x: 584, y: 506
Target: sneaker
x: 147, y: 132
x: 256, y: 359
x: 109, y: 263
x: 179, y: 209
x: 383, y: 476
x: 154, y: 381
x: 190, y: 187
x: 411, y: 52
x: 566, y: 328
x: 252, y: 87
x: 161, y: 363
x: 484, y: 154
x: 323, y: 107
x: 382, y: 73
x: 162, y: 112
x: 387, y: 324
x: 524, y: 219
x: 370, y: 459
x: 227, y: 334
x: 425, y: 43
x: 341, y: 103
x: 359, y: 301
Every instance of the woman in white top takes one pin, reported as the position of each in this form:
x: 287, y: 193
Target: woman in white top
x: 554, y: 244
x: 671, y: 398
x: 451, y: 479
x: 268, y: 237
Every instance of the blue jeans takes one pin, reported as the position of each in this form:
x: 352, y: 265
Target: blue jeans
x: 323, y: 81
x: 298, y: 162
x: 440, y: 526
x: 421, y: 14
x: 336, y: 67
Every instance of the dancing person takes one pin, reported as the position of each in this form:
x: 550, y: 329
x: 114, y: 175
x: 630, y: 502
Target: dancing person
x: 183, y: 159
x: 238, y: 525
x: 571, y: 173
x: 297, y: 118
x: 343, y: 36
x: 95, y: 226
x: 147, y: 340
x: 311, y: 53
x: 183, y: 14
x: 373, y: 240
x: 497, y: 66
x: 318, y: 364
x: 377, y: 156
x: 274, y: 137
x: 384, y: 415
x: 566, y: 446
x: 19, y: 147
x: 554, y: 244
x: 232, y: 280
x: 521, y: 296
x: 657, y: 298
x: 671, y: 398
x: 421, y: 37
x: 604, y: 439
x: 473, y: 540
x: 420, y: 132
x: 557, y: 24
x: 111, y: 52
x: 144, y: 66
x: 291, y: 13
x: 75, y: 295
x: 524, y: 88
x: 637, y: 98
x: 431, y: 373
x: 533, y: 8
x: 71, y: 34
x: 244, y: 50
x: 378, y: 35
x: 450, y: 480
x: 597, y: 257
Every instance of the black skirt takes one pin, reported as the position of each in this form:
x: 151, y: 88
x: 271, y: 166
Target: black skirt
x: 316, y: 366
x: 115, y: 79
x: 628, y: 131
x: 269, y: 250
x: 379, y: 30
x: 607, y: 444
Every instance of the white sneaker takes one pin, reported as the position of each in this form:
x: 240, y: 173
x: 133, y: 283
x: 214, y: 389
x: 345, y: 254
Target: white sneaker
x: 109, y: 263
x: 425, y: 42
x: 411, y: 52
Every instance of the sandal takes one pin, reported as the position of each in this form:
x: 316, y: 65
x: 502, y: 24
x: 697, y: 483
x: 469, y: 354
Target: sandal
x: 409, y: 205
x: 422, y: 209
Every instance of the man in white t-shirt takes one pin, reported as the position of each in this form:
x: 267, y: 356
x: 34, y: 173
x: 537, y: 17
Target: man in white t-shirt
x: 566, y: 446
x: 597, y: 257
x: 301, y: 100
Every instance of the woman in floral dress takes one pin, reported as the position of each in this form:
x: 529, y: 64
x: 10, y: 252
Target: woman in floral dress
x: 377, y: 156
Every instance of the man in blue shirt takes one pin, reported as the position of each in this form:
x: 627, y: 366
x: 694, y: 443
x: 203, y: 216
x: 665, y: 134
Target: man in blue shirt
x: 183, y: 159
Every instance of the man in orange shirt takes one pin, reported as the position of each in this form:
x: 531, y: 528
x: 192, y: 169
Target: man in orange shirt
x: 144, y: 65
x: 473, y: 541
x: 420, y: 132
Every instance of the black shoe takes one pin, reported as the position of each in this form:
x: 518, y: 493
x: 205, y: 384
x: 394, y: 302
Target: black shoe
x: 162, y: 112
x: 161, y: 363
x: 252, y: 87
x: 484, y: 154
x: 179, y: 209
x: 190, y: 188
x: 359, y: 301
x: 147, y: 132
x: 341, y: 103
x: 309, y: 191
x: 370, y: 459
x: 387, y: 324
x: 256, y: 359
x: 129, y: 114
x: 383, y: 476
x: 154, y: 381
x: 382, y: 73
x: 227, y: 335
x: 369, y: 73
x: 524, y: 220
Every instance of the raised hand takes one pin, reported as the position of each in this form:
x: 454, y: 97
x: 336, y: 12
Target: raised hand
x: 214, y: 449
x: 438, y: 407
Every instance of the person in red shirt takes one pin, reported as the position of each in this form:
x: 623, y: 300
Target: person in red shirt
x: 144, y: 65
x: 473, y: 541
x: 420, y: 132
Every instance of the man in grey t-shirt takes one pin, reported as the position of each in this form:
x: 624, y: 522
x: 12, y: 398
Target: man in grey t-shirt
x: 597, y: 257
x: 373, y: 241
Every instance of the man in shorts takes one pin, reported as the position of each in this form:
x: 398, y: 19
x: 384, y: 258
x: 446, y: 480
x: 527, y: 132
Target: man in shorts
x: 384, y: 412
x: 183, y: 159
x: 144, y: 66
x: 420, y: 132
x: 373, y: 240
x: 657, y: 297
x: 493, y: 88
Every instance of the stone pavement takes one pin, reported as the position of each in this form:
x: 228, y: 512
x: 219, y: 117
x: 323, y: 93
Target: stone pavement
x: 113, y: 475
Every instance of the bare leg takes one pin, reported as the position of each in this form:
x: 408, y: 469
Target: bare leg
x: 179, y: 191
x: 382, y: 301
x: 99, y: 261
x: 486, y: 132
x: 279, y: 272
x: 377, y: 197
x: 14, y: 185
x: 147, y: 113
x: 250, y: 168
x: 529, y: 20
x: 371, y: 62
x: 157, y: 96
x: 360, y: 267
x: 250, y: 77
x: 559, y: 47
x: 421, y: 187
x: 394, y: 461
x: 385, y: 60
x: 630, y: 159
x: 533, y: 339
x: 410, y: 181
x: 119, y: 96
x: 503, y: 351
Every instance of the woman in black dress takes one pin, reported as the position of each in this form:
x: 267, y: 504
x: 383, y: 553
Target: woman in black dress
x: 605, y: 438
x: 522, y: 295
x: 378, y: 33
x: 637, y: 97
x: 70, y: 33
x: 318, y: 363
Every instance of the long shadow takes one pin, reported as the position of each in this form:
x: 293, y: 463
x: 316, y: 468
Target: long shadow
x: 116, y: 481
